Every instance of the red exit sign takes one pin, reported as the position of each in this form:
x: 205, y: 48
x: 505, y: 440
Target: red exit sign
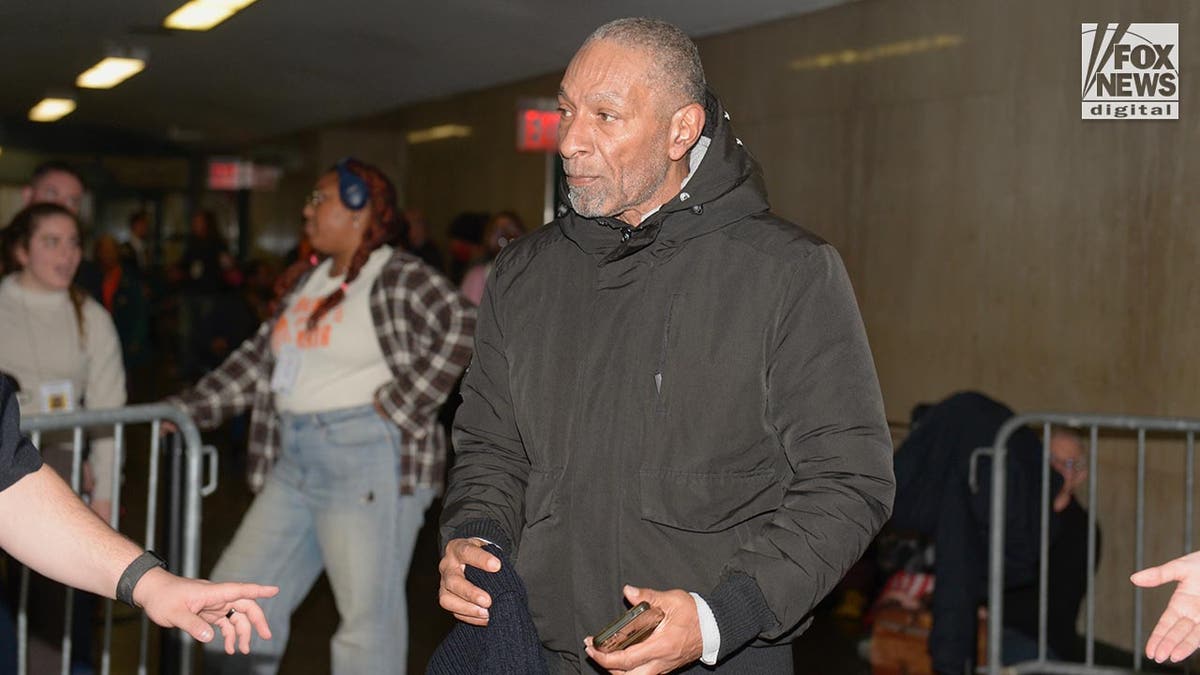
x: 537, y: 130
x: 227, y: 174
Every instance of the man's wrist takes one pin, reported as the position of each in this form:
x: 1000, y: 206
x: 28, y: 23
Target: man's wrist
x: 134, y: 572
x: 150, y: 586
x: 484, y: 529
x: 741, y: 611
x: 710, y: 632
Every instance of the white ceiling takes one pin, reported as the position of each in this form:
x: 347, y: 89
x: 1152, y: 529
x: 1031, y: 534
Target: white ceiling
x: 283, y: 65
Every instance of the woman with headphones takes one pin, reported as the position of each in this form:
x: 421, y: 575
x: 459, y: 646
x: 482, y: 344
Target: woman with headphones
x: 346, y: 452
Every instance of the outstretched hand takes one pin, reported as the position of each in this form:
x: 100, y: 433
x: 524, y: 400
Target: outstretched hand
x: 1177, y: 633
x: 196, y: 606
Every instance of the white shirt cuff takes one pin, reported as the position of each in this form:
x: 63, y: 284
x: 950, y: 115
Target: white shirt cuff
x: 710, y: 634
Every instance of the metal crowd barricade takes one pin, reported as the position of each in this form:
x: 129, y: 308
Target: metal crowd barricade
x: 1182, y: 429
x: 184, y: 529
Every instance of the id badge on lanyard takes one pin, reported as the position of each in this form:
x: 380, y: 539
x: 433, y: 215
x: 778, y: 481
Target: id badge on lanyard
x: 57, y: 396
x: 287, y: 369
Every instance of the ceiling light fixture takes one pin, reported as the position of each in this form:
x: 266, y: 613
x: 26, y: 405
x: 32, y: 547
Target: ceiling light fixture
x: 850, y: 57
x: 440, y: 132
x: 52, y: 109
x: 110, y: 72
x: 204, y: 14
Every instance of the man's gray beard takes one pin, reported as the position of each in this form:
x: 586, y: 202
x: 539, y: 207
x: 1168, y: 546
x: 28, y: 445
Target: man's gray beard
x: 586, y: 205
x: 590, y: 203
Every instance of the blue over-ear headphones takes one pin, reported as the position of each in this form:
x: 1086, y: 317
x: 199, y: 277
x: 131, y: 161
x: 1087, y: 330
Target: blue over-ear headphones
x: 351, y: 188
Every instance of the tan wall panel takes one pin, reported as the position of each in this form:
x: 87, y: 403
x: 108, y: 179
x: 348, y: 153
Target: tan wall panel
x: 482, y: 172
x: 996, y: 240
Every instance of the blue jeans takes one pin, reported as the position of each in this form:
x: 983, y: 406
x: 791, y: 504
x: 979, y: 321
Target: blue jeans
x: 331, y: 502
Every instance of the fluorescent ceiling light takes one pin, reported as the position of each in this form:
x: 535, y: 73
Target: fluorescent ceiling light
x: 438, y: 133
x: 850, y: 57
x: 110, y: 72
x: 204, y: 14
x: 51, y: 109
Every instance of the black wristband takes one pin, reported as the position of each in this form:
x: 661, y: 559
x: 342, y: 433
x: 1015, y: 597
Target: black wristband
x: 132, y: 574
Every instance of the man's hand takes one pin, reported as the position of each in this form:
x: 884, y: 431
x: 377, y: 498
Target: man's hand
x: 466, y: 601
x: 1178, y: 631
x: 195, y: 605
x: 674, y: 644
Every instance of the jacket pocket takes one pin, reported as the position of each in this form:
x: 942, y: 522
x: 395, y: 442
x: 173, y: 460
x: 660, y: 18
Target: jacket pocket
x: 707, y: 502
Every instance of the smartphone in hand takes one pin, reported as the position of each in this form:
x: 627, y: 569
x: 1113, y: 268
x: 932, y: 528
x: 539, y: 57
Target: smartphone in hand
x: 629, y: 629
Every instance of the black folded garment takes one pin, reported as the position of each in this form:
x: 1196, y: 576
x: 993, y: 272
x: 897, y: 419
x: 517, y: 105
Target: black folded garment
x: 508, y: 645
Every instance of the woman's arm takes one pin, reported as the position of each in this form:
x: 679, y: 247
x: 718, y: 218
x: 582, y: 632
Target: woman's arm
x: 229, y: 388
x: 436, y: 324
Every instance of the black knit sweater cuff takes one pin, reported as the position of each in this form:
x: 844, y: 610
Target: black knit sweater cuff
x: 485, y: 529
x: 741, y: 612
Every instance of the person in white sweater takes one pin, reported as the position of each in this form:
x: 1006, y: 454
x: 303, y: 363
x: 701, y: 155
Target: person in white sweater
x: 59, y: 344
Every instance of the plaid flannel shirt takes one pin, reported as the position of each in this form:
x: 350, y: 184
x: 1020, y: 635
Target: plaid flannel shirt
x: 425, y: 331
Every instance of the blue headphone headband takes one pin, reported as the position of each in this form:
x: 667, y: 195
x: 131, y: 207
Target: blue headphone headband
x: 351, y: 188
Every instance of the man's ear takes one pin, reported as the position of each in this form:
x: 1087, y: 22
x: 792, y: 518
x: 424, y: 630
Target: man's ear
x: 686, y: 125
x: 27, y: 194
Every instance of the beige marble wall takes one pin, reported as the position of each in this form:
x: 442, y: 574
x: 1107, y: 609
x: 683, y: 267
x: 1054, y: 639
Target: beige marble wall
x: 996, y: 241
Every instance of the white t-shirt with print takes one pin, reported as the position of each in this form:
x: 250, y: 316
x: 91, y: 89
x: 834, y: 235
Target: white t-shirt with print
x: 339, y: 364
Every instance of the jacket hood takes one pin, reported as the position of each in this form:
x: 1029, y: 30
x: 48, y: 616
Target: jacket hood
x: 724, y: 187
